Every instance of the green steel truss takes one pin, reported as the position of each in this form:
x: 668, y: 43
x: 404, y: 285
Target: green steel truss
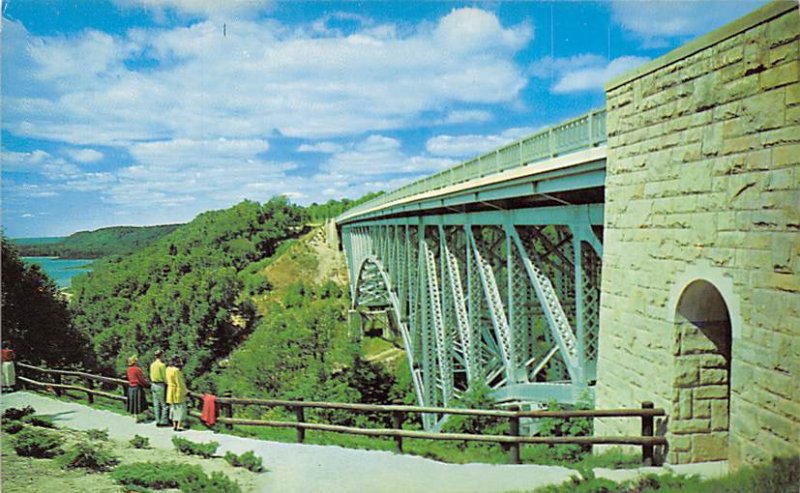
x: 507, y: 297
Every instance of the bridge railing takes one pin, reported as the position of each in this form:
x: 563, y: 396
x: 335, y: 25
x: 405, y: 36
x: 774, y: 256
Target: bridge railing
x: 399, y: 415
x: 583, y: 132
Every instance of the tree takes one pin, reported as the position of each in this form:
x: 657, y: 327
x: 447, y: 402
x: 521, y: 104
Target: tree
x: 35, y: 319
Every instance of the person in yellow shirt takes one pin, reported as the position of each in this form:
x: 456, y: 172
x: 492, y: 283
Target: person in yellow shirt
x: 176, y: 393
x: 158, y: 386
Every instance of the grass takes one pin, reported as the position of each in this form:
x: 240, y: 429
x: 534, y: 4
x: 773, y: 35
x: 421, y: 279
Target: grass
x: 782, y: 474
x: 444, y: 451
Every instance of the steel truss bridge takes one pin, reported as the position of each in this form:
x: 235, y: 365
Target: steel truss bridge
x: 490, y: 271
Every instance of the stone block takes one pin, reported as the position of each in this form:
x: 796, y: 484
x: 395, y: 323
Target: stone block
x: 680, y: 443
x: 711, y: 392
x: 783, y: 54
x: 780, y: 426
x: 687, y: 426
x: 741, y: 144
x: 782, y: 179
x: 793, y: 94
x: 709, y: 447
x: 780, y: 75
x: 793, y: 115
x: 719, y: 415
x: 710, y: 376
x: 787, y: 155
x: 788, y: 135
x: 702, y: 409
x: 785, y: 282
x: 686, y: 373
x: 766, y: 110
x: 784, y: 29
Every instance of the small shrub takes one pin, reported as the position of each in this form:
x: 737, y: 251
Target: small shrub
x: 156, y: 475
x: 189, y: 447
x: 88, y: 456
x: 14, y: 413
x: 12, y: 427
x: 249, y: 460
x: 40, y: 421
x: 95, y: 434
x: 161, y: 475
x: 32, y: 442
x: 140, y: 442
x: 218, y: 483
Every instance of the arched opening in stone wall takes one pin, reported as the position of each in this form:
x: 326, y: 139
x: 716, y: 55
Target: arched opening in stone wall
x: 701, y: 390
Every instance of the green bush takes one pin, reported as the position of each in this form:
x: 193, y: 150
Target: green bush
x: 218, y: 483
x: 156, y: 475
x: 12, y: 427
x: 249, y: 460
x: 40, y: 421
x: 95, y: 434
x: 88, y: 456
x: 32, y: 442
x: 161, y: 475
x: 189, y: 447
x: 14, y: 413
x: 140, y: 442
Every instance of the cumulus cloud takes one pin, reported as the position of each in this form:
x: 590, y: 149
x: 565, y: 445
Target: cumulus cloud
x: 466, y: 146
x: 85, y: 155
x: 258, y: 79
x: 655, y: 22
x: 321, y: 147
x: 586, y: 72
x: 467, y: 116
x: 380, y: 155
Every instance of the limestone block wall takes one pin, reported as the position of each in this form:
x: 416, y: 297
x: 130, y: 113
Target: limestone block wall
x: 703, y: 184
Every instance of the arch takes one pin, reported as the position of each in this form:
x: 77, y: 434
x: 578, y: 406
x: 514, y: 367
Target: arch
x: 702, y: 325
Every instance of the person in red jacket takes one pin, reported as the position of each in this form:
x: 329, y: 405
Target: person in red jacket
x: 137, y: 383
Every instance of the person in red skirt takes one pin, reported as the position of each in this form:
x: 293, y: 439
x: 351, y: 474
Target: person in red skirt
x: 137, y: 383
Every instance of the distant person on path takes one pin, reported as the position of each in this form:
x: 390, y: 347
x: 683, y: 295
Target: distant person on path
x: 9, y: 370
x: 176, y: 393
x: 158, y: 385
x: 137, y: 402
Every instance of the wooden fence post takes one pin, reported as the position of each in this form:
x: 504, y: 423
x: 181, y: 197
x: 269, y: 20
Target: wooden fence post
x: 228, y: 408
x: 90, y: 386
x: 647, y: 432
x: 301, y: 418
x: 57, y: 381
x: 397, y: 424
x: 515, y: 458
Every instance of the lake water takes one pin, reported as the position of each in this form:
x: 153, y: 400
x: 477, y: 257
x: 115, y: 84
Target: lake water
x: 61, y: 270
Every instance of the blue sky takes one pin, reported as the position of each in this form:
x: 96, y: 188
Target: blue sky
x: 137, y: 112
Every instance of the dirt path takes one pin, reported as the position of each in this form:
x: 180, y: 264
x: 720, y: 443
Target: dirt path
x: 331, y: 264
x: 311, y: 468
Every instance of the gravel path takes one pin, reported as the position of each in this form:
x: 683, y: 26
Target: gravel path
x: 314, y: 468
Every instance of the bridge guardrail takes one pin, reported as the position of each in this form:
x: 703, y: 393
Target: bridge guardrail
x: 583, y: 132
x: 647, y: 440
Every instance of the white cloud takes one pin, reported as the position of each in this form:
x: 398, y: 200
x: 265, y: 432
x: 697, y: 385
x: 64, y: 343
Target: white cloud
x: 467, y: 116
x: 379, y: 155
x: 38, y: 162
x: 655, y: 22
x: 261, y: 77
x: 467, y: 146
x: 85, y: 155
x: 586, y: 72
x: 321, y: 147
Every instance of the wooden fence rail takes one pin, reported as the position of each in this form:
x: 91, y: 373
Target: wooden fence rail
x: 399, y: 414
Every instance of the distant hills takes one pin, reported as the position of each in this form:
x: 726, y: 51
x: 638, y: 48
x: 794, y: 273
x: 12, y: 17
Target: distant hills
x: 116, y: 240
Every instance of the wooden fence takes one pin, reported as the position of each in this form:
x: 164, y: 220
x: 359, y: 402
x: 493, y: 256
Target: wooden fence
x: 399, y: 414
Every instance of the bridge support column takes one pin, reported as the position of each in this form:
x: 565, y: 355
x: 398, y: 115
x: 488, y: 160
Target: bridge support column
x: 355, y: 327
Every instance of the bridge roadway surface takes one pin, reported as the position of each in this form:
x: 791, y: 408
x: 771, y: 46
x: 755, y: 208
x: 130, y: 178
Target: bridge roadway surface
x: 327, y: 468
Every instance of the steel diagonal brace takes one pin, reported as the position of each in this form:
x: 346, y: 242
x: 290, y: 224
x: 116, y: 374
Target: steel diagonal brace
x: 404, y: 331
x: 442, y: 346
x: 496, y: 310
x: 554, y: 312
x: 462, y: 319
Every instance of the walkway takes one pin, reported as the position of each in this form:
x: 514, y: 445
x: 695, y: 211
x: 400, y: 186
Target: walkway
x: 332, y: 469
x: 309, y: 468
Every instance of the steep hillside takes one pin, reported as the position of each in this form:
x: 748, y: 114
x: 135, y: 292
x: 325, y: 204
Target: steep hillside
x: 117, y: 240
x: 185, y: 292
